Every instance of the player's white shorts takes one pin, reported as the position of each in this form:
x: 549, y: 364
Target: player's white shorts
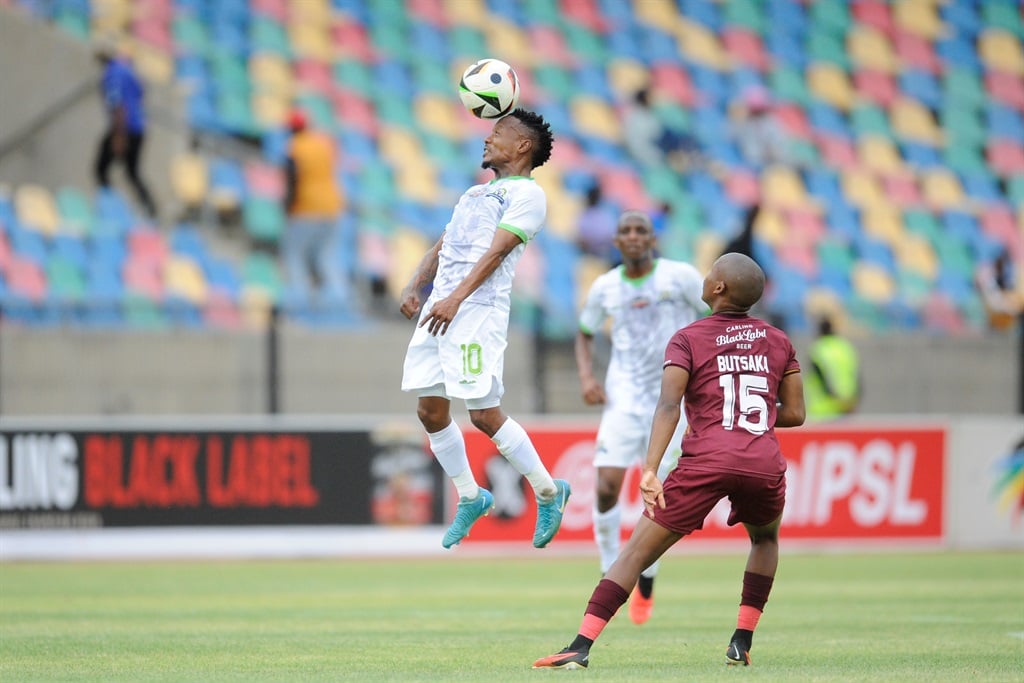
x: 622, y: 440
x: 467, y: 362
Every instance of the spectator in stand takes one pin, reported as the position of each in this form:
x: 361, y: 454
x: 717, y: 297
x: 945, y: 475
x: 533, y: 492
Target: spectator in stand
x: 123, y: 94
x: 313, y: 204
x: 597, y: 225
x: 1001, y: 291
x: 759, y: 135
x: 833, y: 386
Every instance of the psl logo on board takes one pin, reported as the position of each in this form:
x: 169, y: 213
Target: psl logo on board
x: 1008, y: 487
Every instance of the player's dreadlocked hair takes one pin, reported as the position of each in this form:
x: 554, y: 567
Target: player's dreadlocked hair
x: 543, y: 139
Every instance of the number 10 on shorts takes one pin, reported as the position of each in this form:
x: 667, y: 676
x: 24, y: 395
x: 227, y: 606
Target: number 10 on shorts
x: 472, y: 359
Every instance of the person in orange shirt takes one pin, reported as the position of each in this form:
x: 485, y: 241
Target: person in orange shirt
x: 313, y: 203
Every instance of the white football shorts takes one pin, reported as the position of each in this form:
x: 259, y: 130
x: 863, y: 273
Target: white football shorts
x: 622, y: 440
x: 467, y: 361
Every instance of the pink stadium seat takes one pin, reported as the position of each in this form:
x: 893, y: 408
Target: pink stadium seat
x: 220, y: 311
x: 903, y: 190
x: 794, y: 119
x: 837, y: 152
x: 941, y: 315
x: 147, y: 246
x: 1005, y: 156
x: 567, y: 154
x: 799, y: 255
x: 153, y: 32
x: 26, y: 278
x: 672, y: 82
x: 585, y: 13
x: 874, y: 13
x: 431, y: 11
x: 876, y: 86
x: 549, y: 41
x: 745, y: 48
x: 355, y: 111
x: 805, y: 223
x: 622, y: 185
x: 743, y: 188
x: 275, y: 9
x: 350, y: 39
x: 917, y: 52
x: 999, y: 222
x: 264, y: 180
x: 314, y: 75
x: 144, y: 278
x: 158, y: 10
x: 1005, y: 87
x: 5, y: 251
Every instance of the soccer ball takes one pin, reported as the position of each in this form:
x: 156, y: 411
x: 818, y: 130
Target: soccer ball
x: 489, y: 88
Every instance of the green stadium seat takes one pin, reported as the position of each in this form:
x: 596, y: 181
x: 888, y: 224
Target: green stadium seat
x: 1003, y: 15
x: 788, y: 85
x: 75, y: 211
x: 962, y: 88
x: 263, y: 219
x: 869, y: 119
x: 747, y: 14
x: 827, y: 47
x: 140, y: 311
x: 267, y: 35
x: 829, y: 18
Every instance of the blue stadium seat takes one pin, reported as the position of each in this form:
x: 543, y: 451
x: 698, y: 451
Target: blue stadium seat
x: 920, y: 155
x: 922, y: 86
x: 1003, y: 122
x: 703, y: 12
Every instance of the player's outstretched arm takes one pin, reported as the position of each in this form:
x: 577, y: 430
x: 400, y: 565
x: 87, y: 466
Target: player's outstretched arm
x: 791, y: 412
x: 423, y: 276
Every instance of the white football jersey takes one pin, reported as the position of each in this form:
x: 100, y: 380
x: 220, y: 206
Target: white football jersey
x: 644, y: 313
x: 516, y: 204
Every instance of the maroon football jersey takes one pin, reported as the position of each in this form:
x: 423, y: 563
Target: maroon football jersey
x: 736, y: 364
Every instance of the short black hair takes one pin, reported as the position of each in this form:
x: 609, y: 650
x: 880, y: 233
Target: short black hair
x: 544, y: 140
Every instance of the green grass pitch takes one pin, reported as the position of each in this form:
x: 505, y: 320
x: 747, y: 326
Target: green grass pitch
x: 865, y: 617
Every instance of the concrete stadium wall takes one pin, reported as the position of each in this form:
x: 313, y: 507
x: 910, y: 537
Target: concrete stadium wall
x: 86, y: 372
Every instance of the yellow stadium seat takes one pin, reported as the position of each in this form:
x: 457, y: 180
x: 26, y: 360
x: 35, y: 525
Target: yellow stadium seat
x: 190, y: 178
x: 314, y: 12
x: 862, y: 189
x: 941, y: 189
x: 588, y: 269
x: 595, y: 117
x: 770, y: 227
x: 871, y: 49
x: 417, y: 182
x: 627, y: 76
x: 407, y: 250
x: 153, y: 65
x: 467, y: 13
x: 510, y: 42
x: 821, y: 302
x: 915, y: 253
x: 1001, y: 51
x: 272, y: 74
x: 879, y: 155
x: 183, y: 277
x: 398, y: 145
x: 312, y: 41
x: 110, y: 16
x: 255, y: 303
x: 920, y: 17
x: 438, y: 114
x: 913, y: 121
x: 884, y: 222
x: 830, y: 84
x: 873, y: 282
x: 660, y: 14
x: 782, y: 187
x: 707, y: 248
x: 270, y: 109
x: 563, y: 214
x: 700, y: 44
x: 36, y: 208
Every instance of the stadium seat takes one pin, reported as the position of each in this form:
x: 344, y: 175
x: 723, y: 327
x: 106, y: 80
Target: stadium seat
x: 877, y: 87
x: 1005, y: 87
x: 919, y: 18
x: 942, y: 189
x: 872, y: 50
x: 1001, y: 51
x: 875, y: 14
x: 830, y: 84
x: 36, y: 208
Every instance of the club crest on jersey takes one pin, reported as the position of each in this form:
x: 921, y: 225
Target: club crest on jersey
x: 640, y: 302
x: 499, y: 193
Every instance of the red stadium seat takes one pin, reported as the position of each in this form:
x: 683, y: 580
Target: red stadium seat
x: 355, y: 111
x: 874, y: 13
x: 550, y: 42
x: 794, y: 119
x: 742, y: 187
x: 917, y: 52
x: 351, y: 39
x: 876, y: 86
x: 431, y: 11
x: 314, y: 75
x: 902, y: 189
x: 745, y: 48
x: 1005, y: 156
x: 585, y: 13
x: 837, y: 152
x: 672, y: 82
x: 26, y: 278
x: 275, y: 9
x: 1005, y: 87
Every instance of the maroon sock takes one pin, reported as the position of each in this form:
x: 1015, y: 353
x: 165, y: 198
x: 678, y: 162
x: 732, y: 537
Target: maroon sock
x: 756, y: 588
x: 606, y: 599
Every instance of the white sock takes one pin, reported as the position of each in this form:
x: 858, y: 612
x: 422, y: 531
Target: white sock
x: 450, y: 450
x: 607, y: 533
x: 651, y: 571
x: 514, y: 443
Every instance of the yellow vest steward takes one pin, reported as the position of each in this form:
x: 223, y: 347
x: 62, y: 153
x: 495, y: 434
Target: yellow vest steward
x: 316, y: 190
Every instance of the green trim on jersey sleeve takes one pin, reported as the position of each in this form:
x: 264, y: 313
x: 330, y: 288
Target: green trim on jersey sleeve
x: 586, y: 330
x: 515, y: 231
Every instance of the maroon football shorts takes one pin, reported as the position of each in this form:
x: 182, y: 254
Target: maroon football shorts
x: 691, y: 493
